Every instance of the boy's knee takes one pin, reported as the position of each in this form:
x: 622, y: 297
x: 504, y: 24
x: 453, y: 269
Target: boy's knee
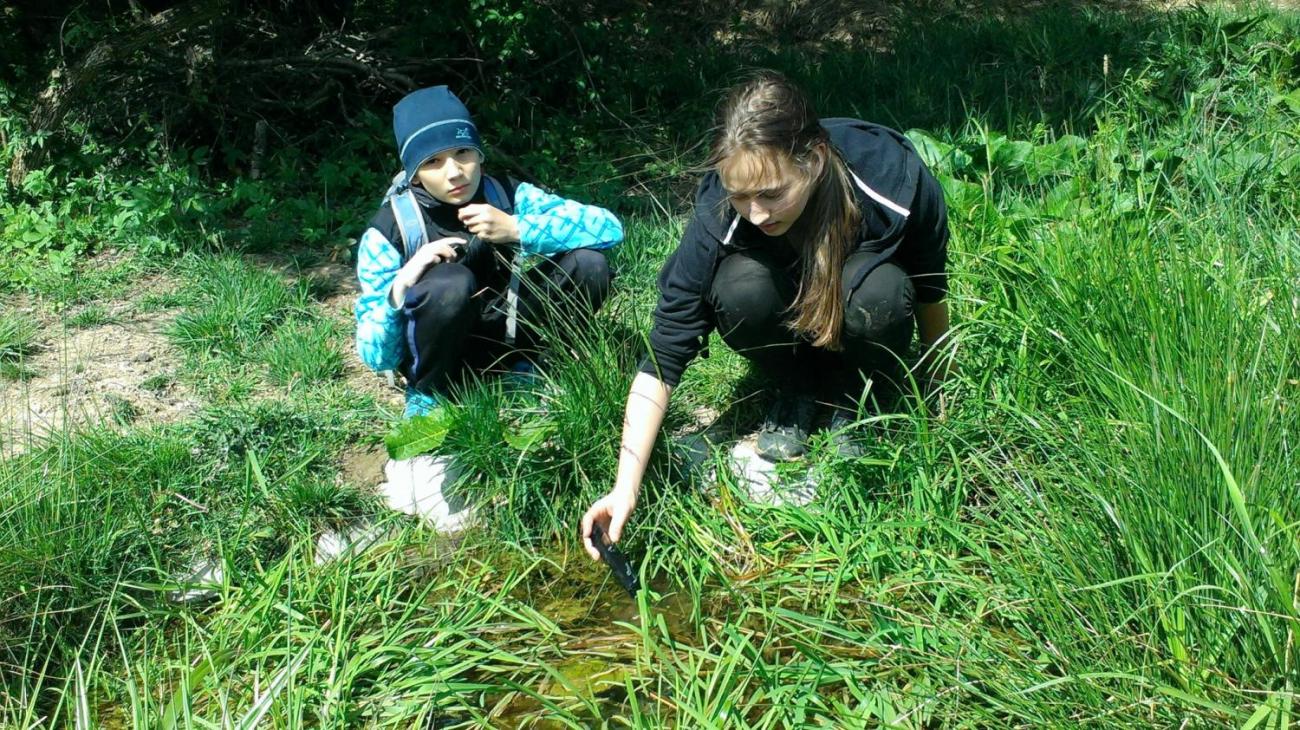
x: 589, y: 270
x: 582, y: 273
x: 589, y: 267
x: 880, y: 309
x: 445, y: 289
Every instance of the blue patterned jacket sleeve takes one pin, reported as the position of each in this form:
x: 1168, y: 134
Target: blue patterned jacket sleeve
x: 549, y: 224
x: 379, y: 325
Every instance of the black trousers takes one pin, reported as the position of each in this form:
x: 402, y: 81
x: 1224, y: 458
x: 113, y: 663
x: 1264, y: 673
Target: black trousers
x: 456, y: 312
x: 751, y: 297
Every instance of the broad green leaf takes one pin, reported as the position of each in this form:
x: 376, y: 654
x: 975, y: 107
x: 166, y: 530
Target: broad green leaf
x: 1291, y: 100
x: 960, y: 194
x: 1057, y: 158
x: 1011, y: 155
x: 419, y: 435
x: 1065, y: 199
x: 940, y: 157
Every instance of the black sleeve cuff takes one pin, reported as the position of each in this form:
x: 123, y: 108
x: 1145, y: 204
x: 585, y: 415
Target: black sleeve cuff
x: 670, y: 374
x: 931, y: 288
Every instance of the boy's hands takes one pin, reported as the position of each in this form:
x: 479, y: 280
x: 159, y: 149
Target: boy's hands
x: 433, y: 252
x: 490, y: 224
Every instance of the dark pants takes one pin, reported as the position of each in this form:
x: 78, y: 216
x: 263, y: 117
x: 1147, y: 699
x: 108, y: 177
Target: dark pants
x: 751, y: 298
x: 456, y: 312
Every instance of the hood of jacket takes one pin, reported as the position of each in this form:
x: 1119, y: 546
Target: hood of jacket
x: 885, y: 171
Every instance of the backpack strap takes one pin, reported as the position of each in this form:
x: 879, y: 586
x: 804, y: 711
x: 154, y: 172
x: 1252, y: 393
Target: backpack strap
x: 496, y: 194
x: 410, y: 219
x: 497, y: 198
x: 410, y: 222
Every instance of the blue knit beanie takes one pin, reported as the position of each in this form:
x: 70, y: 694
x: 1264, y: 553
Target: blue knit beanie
x: 428, y: 121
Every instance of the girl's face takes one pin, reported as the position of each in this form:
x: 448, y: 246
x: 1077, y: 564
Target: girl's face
x: 452, y: 176
x: 767, y: 188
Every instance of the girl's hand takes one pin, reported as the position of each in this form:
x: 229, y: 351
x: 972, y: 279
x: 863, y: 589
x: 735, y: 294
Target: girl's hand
x: 646, y: 403
x: 611, y: 513
x: 433, y: 252
x: 490, y: 224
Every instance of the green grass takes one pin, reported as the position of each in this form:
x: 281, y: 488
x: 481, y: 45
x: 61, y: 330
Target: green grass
x: 15, y: 371
x: 157, y: 383
x: 91, y: 316
x: 17, y: 341
x: 17, y: 337
x: 1099, y: 531
x: 122, y: 411
x: 303, y: 353
x: 78, y: 282
x: 233, y: 305
x: 243, y: 325
x: 160, y: 302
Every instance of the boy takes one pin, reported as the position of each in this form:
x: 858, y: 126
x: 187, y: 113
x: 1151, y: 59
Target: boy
x: 459, y: 299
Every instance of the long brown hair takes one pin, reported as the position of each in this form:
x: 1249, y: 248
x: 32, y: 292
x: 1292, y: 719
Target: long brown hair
x: 768, y: 115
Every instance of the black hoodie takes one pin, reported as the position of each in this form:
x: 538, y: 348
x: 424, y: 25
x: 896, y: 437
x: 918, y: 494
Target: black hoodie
x: 903, y: 220
x: 443, y: 220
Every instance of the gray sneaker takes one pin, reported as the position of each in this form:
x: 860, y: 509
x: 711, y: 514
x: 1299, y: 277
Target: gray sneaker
x: 784, y: 433
x: 845, y: 431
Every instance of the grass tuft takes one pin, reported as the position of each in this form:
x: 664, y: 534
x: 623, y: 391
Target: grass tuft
x: 233, y: 304
x: 17, y: 337
x: 302, y: 353
x: 91, y: 316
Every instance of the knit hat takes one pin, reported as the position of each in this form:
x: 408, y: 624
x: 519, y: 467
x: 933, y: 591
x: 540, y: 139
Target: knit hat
x: 429, y: 121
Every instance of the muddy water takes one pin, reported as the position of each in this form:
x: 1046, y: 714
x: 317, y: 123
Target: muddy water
x: 596, y: 655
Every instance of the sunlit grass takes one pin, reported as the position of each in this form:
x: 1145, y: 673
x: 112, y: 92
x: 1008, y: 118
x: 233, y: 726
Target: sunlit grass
x: 1100, y: 529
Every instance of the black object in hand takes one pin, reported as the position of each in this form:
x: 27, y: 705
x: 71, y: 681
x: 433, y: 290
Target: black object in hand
x: 618, y: 565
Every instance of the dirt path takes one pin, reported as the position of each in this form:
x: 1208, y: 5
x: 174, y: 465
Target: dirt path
x: 121, y: 372
x: 126, y: 371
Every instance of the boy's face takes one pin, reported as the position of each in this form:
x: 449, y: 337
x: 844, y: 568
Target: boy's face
x: 451, y: 176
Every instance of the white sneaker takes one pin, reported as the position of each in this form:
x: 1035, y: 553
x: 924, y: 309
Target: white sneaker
x: 417, y: 486
x: 758, y: 476
x: 334, y: 544
x: 203, y: 579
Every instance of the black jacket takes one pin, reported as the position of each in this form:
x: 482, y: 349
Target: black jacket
x: 903, y: 219
x: 443, y: 220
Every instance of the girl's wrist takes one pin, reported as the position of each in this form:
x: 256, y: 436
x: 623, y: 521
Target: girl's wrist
x: 626, y: 491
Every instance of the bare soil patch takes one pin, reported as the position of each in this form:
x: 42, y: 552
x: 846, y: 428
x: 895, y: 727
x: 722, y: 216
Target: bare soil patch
x: 119, y: 372
x: 362, y: 466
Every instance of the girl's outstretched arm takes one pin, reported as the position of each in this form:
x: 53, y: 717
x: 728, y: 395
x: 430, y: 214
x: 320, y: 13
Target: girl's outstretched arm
x: 647, y: 402
x: 932, y: 326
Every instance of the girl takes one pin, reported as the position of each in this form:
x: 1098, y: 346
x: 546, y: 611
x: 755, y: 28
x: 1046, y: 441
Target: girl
x: 813, y: 247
